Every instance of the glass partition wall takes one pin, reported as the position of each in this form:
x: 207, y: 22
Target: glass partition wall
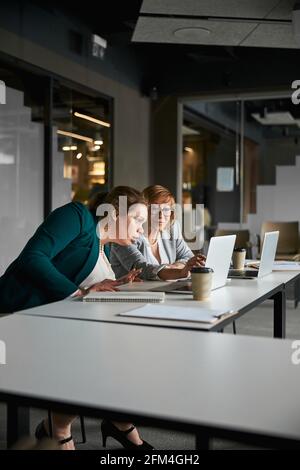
x: 241, y: 159
x: 55, y: 147
x: 211, y: 157
x: 21, y: 162
x: 83, y: 126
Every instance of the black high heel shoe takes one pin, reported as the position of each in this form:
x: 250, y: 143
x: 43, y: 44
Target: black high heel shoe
x: 109, y: 429
x: 41, y: 433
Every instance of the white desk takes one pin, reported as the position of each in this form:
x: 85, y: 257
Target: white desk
x: 239, y: 296
x: 241, y: 388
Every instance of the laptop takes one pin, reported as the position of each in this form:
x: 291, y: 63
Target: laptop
x: 218, y: 258
x: 266, y: 261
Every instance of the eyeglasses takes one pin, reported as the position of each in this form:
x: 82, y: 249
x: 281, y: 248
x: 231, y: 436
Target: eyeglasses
x: 166, y: 211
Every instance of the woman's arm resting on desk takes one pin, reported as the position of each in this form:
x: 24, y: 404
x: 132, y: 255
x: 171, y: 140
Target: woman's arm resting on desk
x: 125, y: 258
x: 110, y: 284
x: 131, y: 256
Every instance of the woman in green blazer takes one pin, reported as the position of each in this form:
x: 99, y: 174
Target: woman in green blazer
x: 65, y: 258
x: 58, y: 257
x: 55, y: 261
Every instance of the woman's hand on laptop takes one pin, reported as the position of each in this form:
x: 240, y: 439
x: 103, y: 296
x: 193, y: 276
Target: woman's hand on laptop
x: 132, y: 276
x: 198, y: 260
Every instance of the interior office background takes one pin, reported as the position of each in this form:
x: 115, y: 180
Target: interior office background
x: 166, y: 114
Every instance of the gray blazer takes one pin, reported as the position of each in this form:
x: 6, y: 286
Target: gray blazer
x: 172, y: 248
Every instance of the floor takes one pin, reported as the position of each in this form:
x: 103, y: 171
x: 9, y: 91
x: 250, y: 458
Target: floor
x: 259, y: 323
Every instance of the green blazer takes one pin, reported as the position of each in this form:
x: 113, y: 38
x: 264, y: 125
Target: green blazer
x: 60, y: 255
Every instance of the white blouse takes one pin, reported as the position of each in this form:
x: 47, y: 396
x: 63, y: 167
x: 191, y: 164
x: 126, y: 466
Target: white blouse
x: 101, y: 271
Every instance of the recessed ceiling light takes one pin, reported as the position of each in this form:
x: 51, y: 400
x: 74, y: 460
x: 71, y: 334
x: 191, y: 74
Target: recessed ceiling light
x: 194, y: 34
x: 275, y: 118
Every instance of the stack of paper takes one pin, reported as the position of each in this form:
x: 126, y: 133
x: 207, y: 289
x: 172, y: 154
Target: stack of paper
x: 168, y: 312
x: 286, y: 266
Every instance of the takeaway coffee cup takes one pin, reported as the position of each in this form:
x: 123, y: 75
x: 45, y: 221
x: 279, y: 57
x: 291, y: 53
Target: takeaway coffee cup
x: 201, y: 282
x: 238, y: 258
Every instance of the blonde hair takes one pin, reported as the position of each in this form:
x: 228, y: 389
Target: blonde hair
x: 157, y: 194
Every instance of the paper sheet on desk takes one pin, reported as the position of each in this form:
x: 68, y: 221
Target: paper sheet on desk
x: 286, y: 266
x: 164, y: 312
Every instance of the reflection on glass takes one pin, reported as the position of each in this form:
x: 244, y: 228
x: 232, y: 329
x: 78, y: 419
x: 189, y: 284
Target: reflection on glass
x: 21, y: 174
x: 83, y: 138
x: 209, y: 159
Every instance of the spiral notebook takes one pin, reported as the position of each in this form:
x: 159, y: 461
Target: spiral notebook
x: 144, y: 297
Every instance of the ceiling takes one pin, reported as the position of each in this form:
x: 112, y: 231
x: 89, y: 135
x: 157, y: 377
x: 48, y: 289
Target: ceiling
x: 174, y: 53
x: 252, y: 23
x: 114, y: 20
x: 275, y: 9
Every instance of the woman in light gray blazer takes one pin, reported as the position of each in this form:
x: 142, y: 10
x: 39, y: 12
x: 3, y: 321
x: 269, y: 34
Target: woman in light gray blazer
x: 162, y: 254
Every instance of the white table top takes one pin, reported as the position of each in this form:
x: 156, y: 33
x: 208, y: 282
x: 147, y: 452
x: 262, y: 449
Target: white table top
x: 237, y: 383
x: 236, y: 296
